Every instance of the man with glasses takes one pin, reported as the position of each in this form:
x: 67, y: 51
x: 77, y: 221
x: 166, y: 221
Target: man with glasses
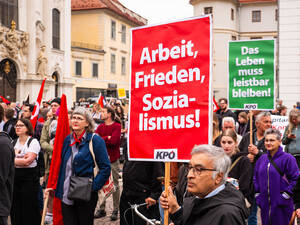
x: 213, y: 201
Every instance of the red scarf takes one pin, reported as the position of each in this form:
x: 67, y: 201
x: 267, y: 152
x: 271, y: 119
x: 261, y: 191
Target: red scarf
x: 77, y: 140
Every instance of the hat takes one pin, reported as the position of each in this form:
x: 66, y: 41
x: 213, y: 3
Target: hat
x: 57, y: 100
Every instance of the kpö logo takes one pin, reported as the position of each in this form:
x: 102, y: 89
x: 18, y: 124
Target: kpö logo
x: 165, y: 154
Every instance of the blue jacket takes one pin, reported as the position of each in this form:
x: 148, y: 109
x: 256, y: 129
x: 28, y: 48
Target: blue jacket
x: 83, y: 163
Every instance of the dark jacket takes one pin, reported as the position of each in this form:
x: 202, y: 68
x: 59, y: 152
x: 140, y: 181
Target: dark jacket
x: 226, y: 208
x: 180, y: 189
x: 242, y: 171
x: 7, y: 172
x: 83, y: 163
x: 296, y: 194
x: 245, y: 142
x: 140, y: 179
x: 9, y: 127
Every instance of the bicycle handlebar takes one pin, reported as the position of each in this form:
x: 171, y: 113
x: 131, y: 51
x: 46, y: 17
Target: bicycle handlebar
x: 150, y: 221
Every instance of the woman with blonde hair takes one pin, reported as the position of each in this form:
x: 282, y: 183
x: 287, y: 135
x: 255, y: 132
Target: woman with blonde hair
x: 291, y: 135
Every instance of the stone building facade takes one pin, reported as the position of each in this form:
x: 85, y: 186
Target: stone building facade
x: 35, y: 44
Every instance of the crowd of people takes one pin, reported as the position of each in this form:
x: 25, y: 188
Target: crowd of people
x: 224, y: 183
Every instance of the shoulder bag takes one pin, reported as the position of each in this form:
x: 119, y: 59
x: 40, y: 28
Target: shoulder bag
x: 80, y: 187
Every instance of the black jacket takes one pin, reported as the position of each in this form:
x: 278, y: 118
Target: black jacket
x: 226, y: 208
x: 243, y: 172
x: 9, y: 127
x: 296, y: 194
x: 140, y: 179
x: 245, y: 142
x: 7, y: 172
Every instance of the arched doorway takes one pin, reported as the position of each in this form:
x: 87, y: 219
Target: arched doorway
x: 8, y: 82
x: 55, y: 78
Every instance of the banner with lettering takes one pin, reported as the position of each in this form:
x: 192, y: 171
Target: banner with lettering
x: 251, y: 76
x: 170, y: 100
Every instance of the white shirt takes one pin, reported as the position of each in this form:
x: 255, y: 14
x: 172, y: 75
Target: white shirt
x: 34, y: 147
x: 1, y: 125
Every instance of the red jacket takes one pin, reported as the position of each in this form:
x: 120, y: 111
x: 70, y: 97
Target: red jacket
x: 112, y: 143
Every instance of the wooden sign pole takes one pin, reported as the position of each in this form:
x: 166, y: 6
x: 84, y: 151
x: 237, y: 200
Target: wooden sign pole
x: 167, y: 184
x: 251, y: 127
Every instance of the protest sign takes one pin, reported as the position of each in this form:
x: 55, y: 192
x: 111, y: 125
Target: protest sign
x: 279, y: 123
x: 121, y: 93
x: 251, y: 80
x: 170, y: 101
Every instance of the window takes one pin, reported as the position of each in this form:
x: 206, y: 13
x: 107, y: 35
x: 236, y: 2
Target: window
x: 232, y: 14
x: 233, y: 38
x: 256, y: 16
x: 113, y: 30
x: 123, y: 66
x: 253, y: 38
x: 276, y: 14
x: 208, y: 10
x: 113, y: 63
x: 95, y: 69
x: 123, y: 34
x: 55, y: 28
x: 78, y: 68
x: 8, y: 12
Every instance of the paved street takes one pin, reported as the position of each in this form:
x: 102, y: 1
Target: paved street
x: 106, y: 220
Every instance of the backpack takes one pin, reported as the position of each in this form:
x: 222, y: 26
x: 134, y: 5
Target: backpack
x: 40, y: 161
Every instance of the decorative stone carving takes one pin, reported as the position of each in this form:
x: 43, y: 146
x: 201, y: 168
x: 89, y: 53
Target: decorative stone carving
x: 42, y: 62
x: 13, y: 41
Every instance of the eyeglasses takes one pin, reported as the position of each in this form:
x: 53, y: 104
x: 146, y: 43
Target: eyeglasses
x: 19, y: 126
x: 77, y: 118
x: 197, y: 170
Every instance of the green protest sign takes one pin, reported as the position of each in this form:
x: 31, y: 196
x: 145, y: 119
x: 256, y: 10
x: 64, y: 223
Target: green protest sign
x: 251, y: 73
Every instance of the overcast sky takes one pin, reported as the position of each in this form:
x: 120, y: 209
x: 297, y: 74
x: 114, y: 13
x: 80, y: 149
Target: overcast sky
x: 160, y: 11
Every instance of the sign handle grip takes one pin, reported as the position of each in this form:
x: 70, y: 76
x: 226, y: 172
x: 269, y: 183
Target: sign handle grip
x: 167, y: 184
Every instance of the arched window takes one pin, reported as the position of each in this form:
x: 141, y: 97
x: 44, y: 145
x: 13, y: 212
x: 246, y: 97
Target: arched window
x: 8, y: 12
x: 55, y: 28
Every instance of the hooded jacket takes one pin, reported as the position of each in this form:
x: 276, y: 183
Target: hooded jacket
x: 274, y: 191
x: 226, y: 208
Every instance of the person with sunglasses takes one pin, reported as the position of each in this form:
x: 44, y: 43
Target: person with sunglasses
x: 213, y: 201
x: 25, y: 207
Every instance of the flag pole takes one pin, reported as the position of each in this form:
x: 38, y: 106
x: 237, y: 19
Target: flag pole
x: 45, y: 209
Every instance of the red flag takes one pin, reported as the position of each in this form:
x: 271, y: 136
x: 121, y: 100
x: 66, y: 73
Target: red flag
x: 4, y: 100
x: 215, y: 105
x: 101, y: 100
x: 62, y: 132
x: 36, y: 108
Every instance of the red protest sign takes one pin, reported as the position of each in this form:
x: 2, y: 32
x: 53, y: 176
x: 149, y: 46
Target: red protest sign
x: 170, y: 100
